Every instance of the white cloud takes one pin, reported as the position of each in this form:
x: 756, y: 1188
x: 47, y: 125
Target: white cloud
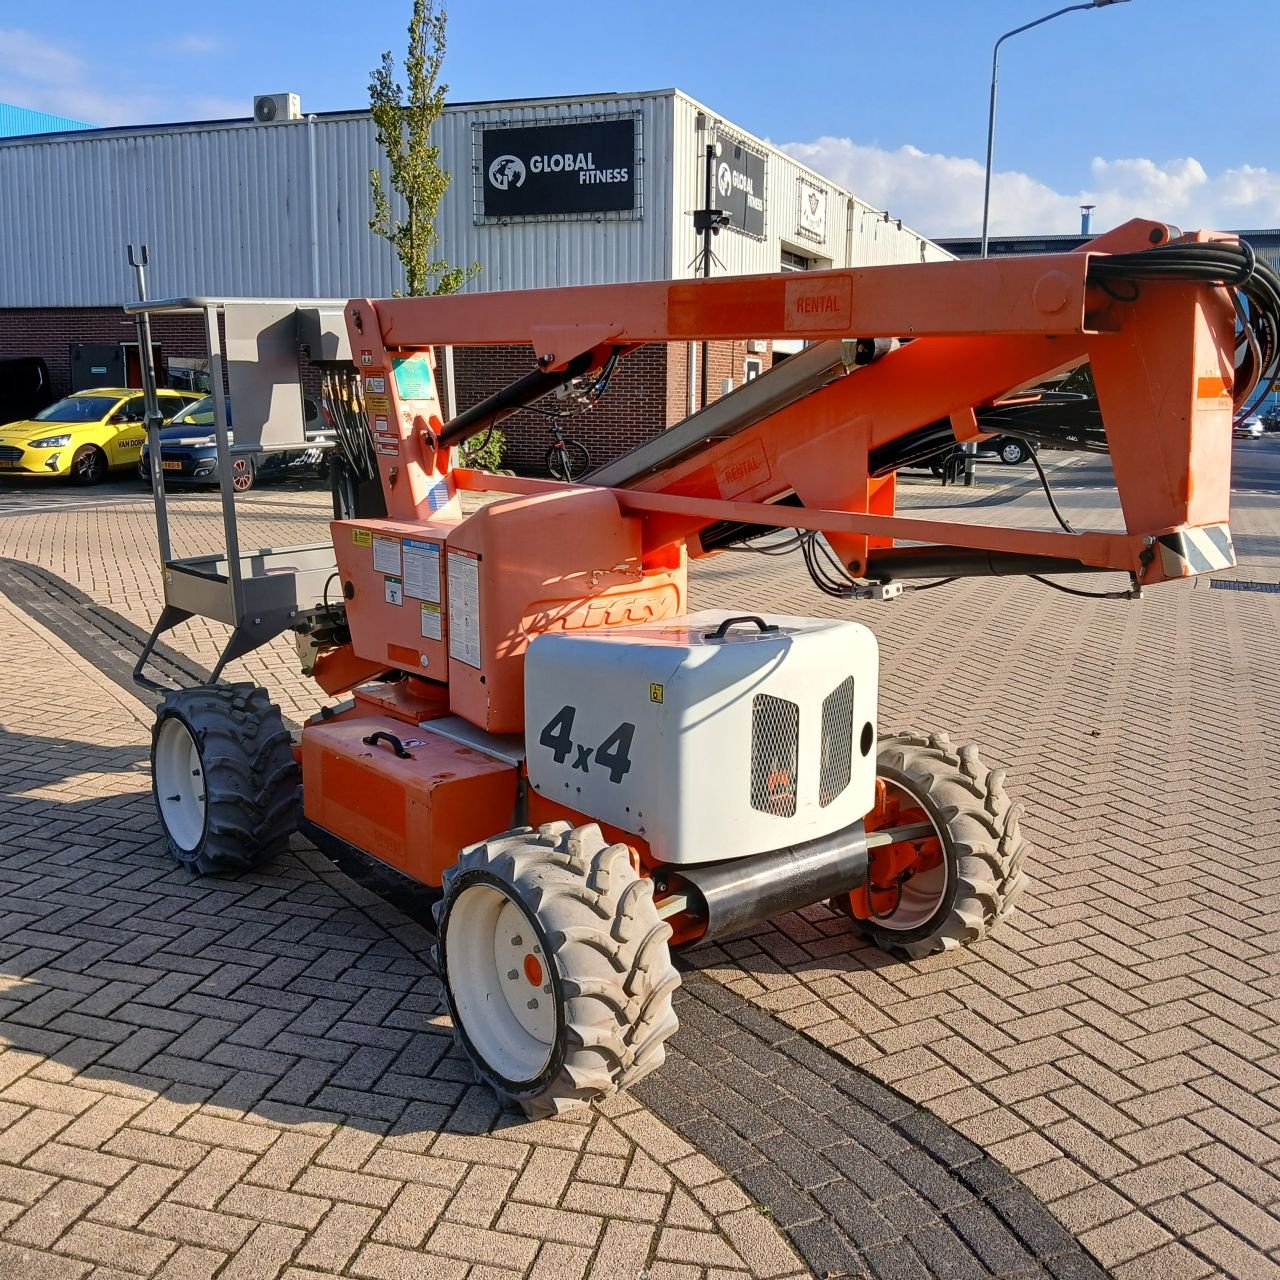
x: 43, y: 76
x: 941, y: 195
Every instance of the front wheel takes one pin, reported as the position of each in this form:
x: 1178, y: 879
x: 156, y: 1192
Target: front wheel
x: 950, y: 886
x: 89, y: 466
x: 555, y: 966
x: 223, y: 776
x: 568, y: 460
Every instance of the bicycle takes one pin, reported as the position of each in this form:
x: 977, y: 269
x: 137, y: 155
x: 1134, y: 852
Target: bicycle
x: 566, y: 459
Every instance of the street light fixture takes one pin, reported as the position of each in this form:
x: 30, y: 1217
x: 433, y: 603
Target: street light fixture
x: 991, y: 117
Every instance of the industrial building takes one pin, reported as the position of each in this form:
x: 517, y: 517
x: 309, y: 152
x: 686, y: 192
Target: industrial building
x: 545, y: 192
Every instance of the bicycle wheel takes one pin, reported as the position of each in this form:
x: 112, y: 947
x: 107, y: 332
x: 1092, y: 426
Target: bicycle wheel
x: 568, y: 461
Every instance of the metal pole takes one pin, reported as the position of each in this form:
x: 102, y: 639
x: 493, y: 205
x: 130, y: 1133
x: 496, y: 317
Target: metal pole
x: 991, y: 114
x: 222, y: 444
x: 706, y: 248
x: 151, y: 402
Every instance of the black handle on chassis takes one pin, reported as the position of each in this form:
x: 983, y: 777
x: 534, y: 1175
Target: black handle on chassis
x: 390, y: 739
x: 723, y: 629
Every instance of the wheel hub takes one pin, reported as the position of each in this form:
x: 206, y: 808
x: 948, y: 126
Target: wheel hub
x: 907, y: 880
x: 180, y: 784
x: 498, y: 975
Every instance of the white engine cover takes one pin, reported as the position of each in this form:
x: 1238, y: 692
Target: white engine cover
x: 710, y: 748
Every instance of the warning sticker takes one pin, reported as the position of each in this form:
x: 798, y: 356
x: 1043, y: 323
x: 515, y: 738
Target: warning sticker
x: 381, y: 423
x: 413, y: 376
x: 432, y: 623
x: 378, y: 386
x: 388, y: 448
x: 362, y: 537
x: 377, y: 404
x: 395, y: 590
x: 386, y: 555
x: 422, y: 570
x: 464, y: 608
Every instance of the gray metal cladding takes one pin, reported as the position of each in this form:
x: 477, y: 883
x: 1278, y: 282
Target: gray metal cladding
x: 227, y: 208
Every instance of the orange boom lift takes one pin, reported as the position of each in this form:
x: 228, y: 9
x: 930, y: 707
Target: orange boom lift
x: 591, y: 773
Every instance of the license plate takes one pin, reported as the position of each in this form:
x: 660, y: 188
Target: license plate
x: 7, y: 466
x: 171, y: 466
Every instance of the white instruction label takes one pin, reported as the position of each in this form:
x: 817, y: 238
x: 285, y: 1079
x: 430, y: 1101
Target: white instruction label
x: 432, y: 623
x: 422, y: 570
x: 464, y: 607
x: 395, y: 590
x: 386, y: 555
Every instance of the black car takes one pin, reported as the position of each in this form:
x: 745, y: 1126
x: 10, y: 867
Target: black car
x: 189, y: 455
x: 24, y: 388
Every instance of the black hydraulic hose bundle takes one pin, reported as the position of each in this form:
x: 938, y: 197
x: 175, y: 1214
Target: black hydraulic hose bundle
x: 1235, y: 266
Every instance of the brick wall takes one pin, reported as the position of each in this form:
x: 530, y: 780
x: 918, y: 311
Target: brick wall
x: 49, y: 333
x: 631, y: 411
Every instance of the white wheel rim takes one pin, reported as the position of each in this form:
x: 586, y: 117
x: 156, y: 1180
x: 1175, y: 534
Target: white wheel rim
x: 1012, y: 453
x: 924, y: 892
x: 501, y: 983
x: 179, y: 781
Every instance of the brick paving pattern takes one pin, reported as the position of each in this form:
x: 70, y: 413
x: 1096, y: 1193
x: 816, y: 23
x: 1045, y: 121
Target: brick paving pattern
x: 254, y: 1077
x: 1117, y: 1044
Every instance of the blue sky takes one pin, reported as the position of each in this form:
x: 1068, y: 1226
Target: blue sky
x: 1164, y: 107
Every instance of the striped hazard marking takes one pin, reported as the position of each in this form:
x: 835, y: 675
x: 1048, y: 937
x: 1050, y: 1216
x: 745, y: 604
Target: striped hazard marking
x: 1191, y: 551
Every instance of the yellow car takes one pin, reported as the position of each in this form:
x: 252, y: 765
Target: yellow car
x: 84, y: 436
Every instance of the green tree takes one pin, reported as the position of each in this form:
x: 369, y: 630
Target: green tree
x: 404, y: 116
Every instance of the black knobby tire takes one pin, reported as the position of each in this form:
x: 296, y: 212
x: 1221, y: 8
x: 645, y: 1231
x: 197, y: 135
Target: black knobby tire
x: 241, y: 754
x: 89, y: 465
x: 588, y: 917
x: 1013, y: 452
x: 978, y: 827
x: 570, y: 462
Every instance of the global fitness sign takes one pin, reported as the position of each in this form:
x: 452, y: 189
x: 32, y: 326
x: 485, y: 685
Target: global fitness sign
x: 740, y: 186
x: 575, y: 169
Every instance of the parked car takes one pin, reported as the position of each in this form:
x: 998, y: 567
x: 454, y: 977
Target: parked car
x: 24, y: 388
x: 1249, y: 429
x: 83, y: 436
x: 189, y: 454
x: 1009, y: 450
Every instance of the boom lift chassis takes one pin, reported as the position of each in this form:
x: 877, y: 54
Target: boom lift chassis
x: 593, y: 775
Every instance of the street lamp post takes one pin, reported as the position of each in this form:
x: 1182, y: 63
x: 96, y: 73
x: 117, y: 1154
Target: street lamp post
x: 991, y: 115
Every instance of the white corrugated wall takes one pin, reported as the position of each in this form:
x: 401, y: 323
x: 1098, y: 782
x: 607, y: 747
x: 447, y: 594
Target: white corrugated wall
x: 872, y: 241
x: 226, y: 209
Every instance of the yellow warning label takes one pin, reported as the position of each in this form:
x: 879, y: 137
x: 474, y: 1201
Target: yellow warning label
x: 377, y: 404
x: 655, y: 693
x: 362, y: 537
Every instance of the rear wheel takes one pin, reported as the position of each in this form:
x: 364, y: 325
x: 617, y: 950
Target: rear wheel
x: 223, y: 776
x: 953, y: 884
x: 568, y: 461
x: 89, y: 465
x: 555, y: 965
x: 242, y: 474
x: 1013, y: 452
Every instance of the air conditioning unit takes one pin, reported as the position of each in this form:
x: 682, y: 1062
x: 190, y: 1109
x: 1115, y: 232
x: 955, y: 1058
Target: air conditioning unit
x: 269, y: 108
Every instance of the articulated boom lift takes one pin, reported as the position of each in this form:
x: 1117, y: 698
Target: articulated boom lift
x: 592, y: 773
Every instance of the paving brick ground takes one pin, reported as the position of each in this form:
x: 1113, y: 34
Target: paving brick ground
x: 1116, y: 1045
x: 254, y: 1077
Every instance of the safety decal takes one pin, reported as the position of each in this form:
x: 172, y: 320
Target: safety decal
x: 1191, y: 551
x: 395, y: 590
x: 362, y: 537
